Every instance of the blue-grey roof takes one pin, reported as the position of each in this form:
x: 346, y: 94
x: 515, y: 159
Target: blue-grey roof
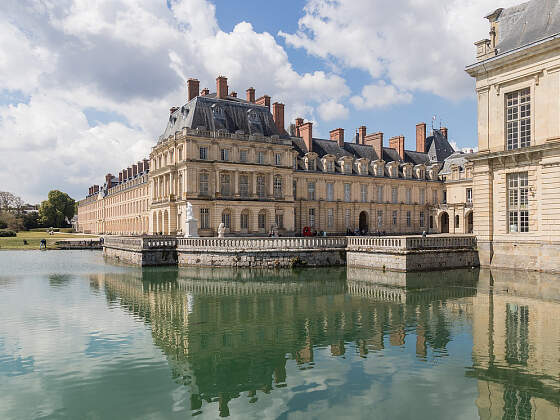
x: 527, y: 23
x: 230, y: 114
x: 437, y: 147
x: 457, y: 158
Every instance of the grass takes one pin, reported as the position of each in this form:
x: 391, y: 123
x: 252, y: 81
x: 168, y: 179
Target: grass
x: 34, y: 240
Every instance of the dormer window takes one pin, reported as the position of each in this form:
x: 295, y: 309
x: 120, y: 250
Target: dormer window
x: 278, y: 159
x: 330, y: 166
x: 218, y: 111
x: 311, y: 164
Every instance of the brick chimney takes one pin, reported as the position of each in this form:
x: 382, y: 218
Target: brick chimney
x: 173, y: 109
x: 146, y: 165
x: 299, y: 123
x: 140, y: 166
x: 89, y: 191
x: 120, y: 177
x: 129, y: 172
x: 362, y: 134
x: 95, y: 189
x: 124, y: 174
x: 397, y: 143
x: 233, y: 94
x: 205, y: 92
x: 338, y: 135
x: 421, y: 137
x: 278, y: 116
x: 251, y: 95
x: 193, y: 86
x: 375, y: 140
x: 443, y: 131
x: 264, y: 101
x: 221, y: 87
x: 109, y: 180
x: 306, y: 132
x: 134, y: 169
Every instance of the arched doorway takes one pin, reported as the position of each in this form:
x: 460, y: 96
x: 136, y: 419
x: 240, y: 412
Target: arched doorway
x: 469, y: 223
x: 444, y: 222
x: 363, y: 222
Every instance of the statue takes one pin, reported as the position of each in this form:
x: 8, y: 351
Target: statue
x: 191, y: 224
x: 221, y: 230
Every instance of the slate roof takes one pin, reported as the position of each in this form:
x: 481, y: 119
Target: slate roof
x: 457, y: 158
x: 527, y: 23
x: 231, y: 114
x: 437, y: 147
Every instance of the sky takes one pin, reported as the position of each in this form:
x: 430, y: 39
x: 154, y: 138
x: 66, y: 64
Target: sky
x: 86, y: 85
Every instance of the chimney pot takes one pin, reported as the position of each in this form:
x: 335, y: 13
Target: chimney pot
x: 221, y: 87
x: 306, y: 132
x: 193, y: 86
x: 251, y: 95
x: 375, y: 140
x: 134, y: 170
x: 264, y: 101
x: 362, y: 134
x: 421, y: 137
x: 205, y: 92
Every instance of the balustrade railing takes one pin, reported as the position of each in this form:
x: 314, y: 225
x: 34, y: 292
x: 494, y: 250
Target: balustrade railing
x: 359, y: 243
x: 262, y: 244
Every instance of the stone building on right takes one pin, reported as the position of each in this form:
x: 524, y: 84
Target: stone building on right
x: 516, y: 172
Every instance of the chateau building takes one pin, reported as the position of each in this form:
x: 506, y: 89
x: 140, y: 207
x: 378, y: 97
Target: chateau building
x: 516, y: 171
x: 234, y: 161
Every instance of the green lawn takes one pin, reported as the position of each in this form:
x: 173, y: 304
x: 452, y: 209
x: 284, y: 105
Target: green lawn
x: 34, y: 239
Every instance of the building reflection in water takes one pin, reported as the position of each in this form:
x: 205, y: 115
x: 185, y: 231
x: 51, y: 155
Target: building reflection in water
x: 229, y: 333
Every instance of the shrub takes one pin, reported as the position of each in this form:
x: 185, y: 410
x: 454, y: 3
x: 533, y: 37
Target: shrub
x: 7, y: 233
x: 3, y: 225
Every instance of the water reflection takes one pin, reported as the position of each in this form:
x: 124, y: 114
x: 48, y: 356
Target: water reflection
x: 228, y: 334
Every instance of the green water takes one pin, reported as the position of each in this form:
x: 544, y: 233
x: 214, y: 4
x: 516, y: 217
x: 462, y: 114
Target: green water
x: 80, y: 338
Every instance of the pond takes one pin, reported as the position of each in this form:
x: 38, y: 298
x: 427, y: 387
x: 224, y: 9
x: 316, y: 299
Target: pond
x: 81, y: 338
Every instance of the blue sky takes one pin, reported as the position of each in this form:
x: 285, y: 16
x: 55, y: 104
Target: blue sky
x: 86, y: 86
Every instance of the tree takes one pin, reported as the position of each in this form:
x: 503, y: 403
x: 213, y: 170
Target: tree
x: 11, y: 221
x: 31, y: 220
x: 10, y: 202
x: 58, y: 208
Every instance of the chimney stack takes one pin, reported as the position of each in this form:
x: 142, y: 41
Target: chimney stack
x: 251, y: 95
x: 134, y: 170
x: 129, y: 172
x: 278, y: 116
x: 205, y: 92
x: 375, y: 140
x: 443, y: 131
x: 264, y: 101
x: 338, y: 135
x: 95, y: 189
x: 109, y: 180
x: 140, y: 166
x: 120, y: 177
x: 193, y: 86
x: 397, y: 143
x: 362, y: 134
x: 233, y: 94
x: 146, y: 165
x: 421, y: 137
x: 221, y: 87
x: 306, y: 132
x: 299, y: 123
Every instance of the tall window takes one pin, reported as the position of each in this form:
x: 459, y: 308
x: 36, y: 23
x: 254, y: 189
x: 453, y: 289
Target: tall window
x: 312, y: 217
x: 330, y: 166
x: 518, y: 202
x: 278, y: 159
x: 226, y: 218
x: 347, y: 196
x: 262, y: 220
x: 518, y: 119
x: 277, y: 187
x: 363, y: 192
x: 224, y: 154
x: 311, y: 164
x: 260, y: 186
x: 347, y: 218
x: 395, y: 217
x: 380, y: 194
x: 203, y: 183
x: 469, y: 195
x: 330, y: 218
x: 380, y: 170
x: 434, y: 197
x: 311, y: 190
x: 279, y: 220
x: 294, y: 189
x: 408, y: 196
x: 245, y: 220
x: 408, y: 218
x: 444, y: 200
x: 422, y: 220
x: 203, y: 153
x: 204, y: 218
x: 422, y: 196
x: 394, y: 195
x: 244, y: 155
x: 457, y: 221
x: 244, y: 185
x: 330, y: 191
x: 225, y: 184
x: 260, y: 157
x: 379, y: 218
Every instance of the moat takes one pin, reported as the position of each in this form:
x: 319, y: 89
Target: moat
x: 82, y: 338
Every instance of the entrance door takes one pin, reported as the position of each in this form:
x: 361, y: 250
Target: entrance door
x: 444, y: 223
x: 364, y: 222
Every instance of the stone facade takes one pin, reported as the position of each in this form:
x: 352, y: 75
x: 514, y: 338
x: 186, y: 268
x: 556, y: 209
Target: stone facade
x: 516, y: 171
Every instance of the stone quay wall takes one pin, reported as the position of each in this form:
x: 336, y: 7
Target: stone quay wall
x: 412, y: 253
x: 532, y: 255
x: 143, y: 251
x: 262, y: 252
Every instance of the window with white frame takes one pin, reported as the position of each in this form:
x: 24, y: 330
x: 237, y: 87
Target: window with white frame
x: 311, y: 218
x: 422, y: 219
x: 311, y: 164
x: 408, y: 196
x: 260, y: 157
x: 225, y: 184
x: 380, y: 170
x: 380, y: 193
x: 330, y: 218
x: 330, y: 166
x: 311, y: 190
x: 204, y: 218
x: 469, y: 195
x: 203, y: 152
x: 261, y: 191
x: 278, y: 159
x: 330, y: 191
x: 394, y: 195
x: 243, y: 155
x: 518, y: 202
x: 347, y: 192
x: 244, y: 185
x: 203, y: 183
x: 518, y: 119
x: 244, y: 220
x: 379, y: 218
x: 226, y: 218
x: 224, y: 154
x: 363, y: 193
x: 277, y: 184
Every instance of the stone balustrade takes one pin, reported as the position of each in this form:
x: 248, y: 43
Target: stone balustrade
x: 140, y: 243
x: 404, y: 243
x: 262, y: 244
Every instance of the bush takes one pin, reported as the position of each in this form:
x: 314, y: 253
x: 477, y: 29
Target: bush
x: 7, y: 233
x: 3, y: 225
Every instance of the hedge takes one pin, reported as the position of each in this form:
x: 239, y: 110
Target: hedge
x: 7, y: 233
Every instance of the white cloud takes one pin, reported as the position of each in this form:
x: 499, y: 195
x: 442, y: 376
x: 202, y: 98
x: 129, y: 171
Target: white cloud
x: 332, y: 110
x: 380, y: 95
x: 419, y: 45
x: 127, y: 59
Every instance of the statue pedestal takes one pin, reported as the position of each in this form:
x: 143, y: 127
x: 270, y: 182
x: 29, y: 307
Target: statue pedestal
x: 191, y: 228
